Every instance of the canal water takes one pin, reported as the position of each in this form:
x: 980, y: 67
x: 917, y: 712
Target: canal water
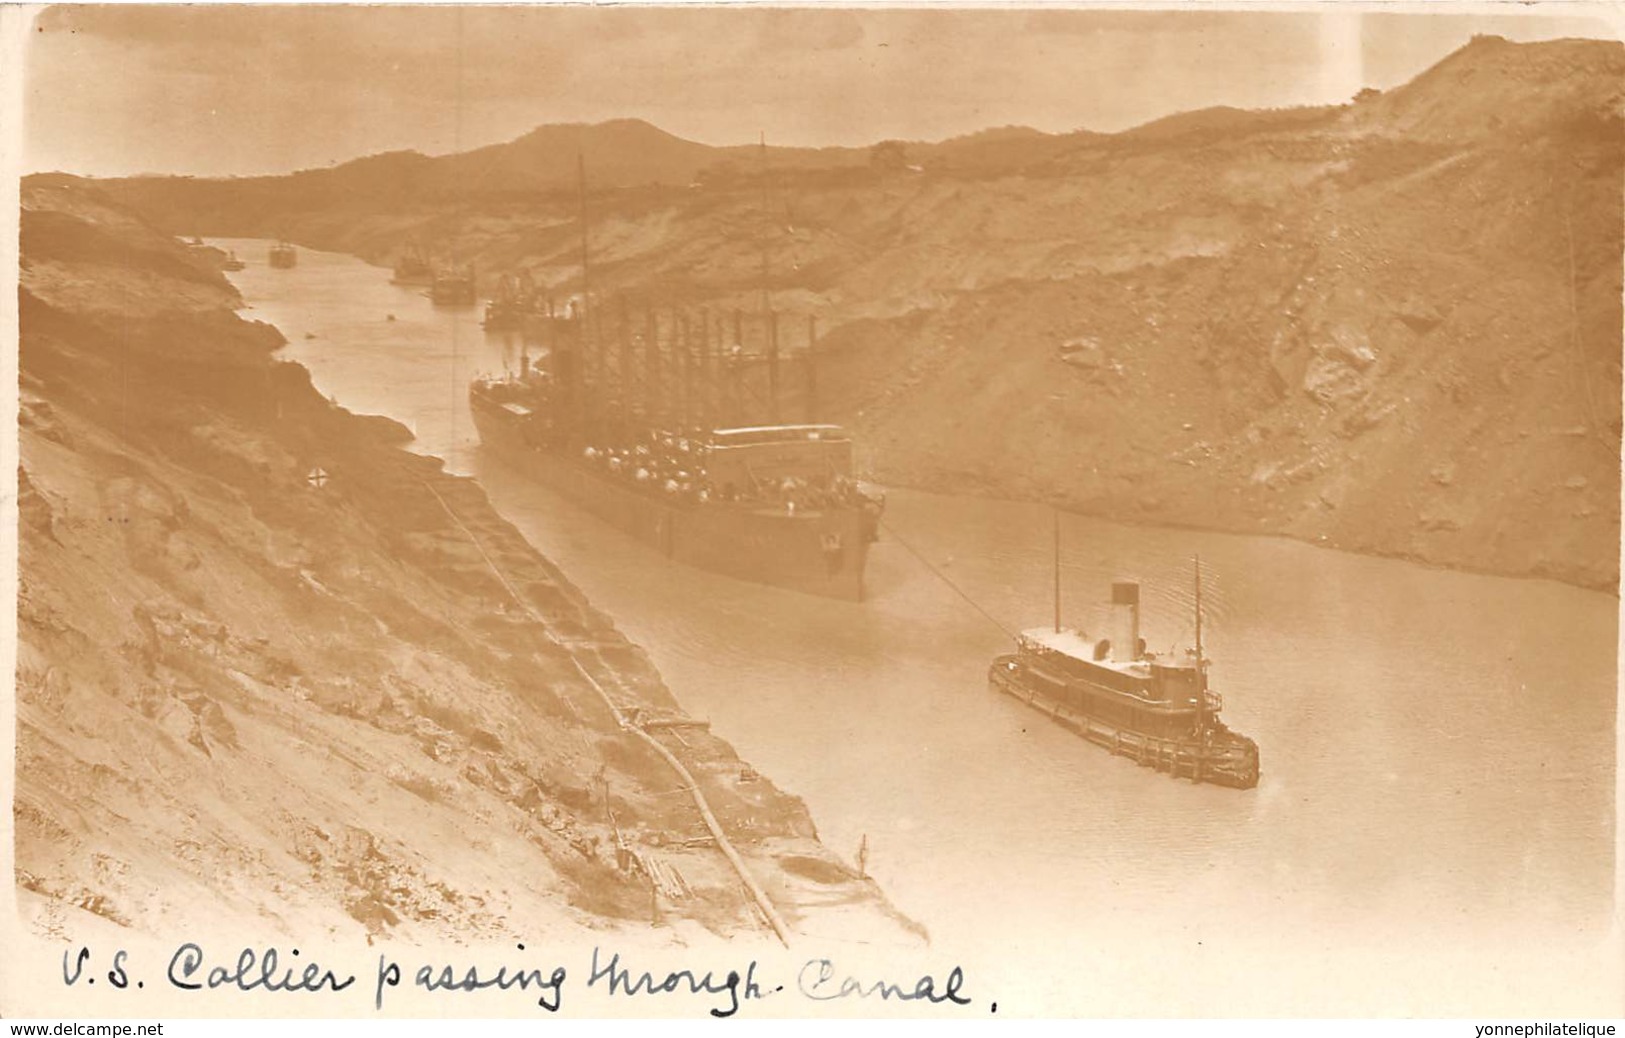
x: 1435, y: 820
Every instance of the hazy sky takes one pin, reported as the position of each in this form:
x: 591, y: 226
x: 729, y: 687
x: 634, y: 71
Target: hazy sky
x: 218, y: 89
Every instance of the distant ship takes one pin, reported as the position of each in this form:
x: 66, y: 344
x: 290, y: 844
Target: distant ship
x: 284, y: 256
x: 451, y: 287
x: 1155, y: 709
x: 517, y: 306
x: 232, y: 263
x: 413, y: 268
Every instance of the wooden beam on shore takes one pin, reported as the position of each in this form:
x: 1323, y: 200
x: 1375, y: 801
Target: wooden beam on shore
x: 676, y: 722
x: 758, y: 896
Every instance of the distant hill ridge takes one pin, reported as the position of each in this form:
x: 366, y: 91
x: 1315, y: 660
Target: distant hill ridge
x: 632, y: 152
x: 1391, y: 325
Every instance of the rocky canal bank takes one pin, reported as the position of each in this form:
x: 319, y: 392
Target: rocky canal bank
x: 274, y: 670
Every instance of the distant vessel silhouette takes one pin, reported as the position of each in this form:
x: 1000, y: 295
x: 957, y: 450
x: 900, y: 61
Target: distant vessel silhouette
x: 413, y: 267
x: 452, y: 287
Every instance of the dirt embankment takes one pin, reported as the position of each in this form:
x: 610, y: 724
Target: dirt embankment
x: 267, y: 672
x: 1391, y: 326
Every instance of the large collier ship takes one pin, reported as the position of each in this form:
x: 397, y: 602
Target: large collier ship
x: 1154, y: 709
x: 775, y: 504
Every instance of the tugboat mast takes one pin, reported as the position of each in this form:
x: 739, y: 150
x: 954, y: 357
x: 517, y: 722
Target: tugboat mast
x: 1057, y: 514
x: 1201, y: 662
x: 770, y: 326
x: 581, y: 198
x: 589, y: 393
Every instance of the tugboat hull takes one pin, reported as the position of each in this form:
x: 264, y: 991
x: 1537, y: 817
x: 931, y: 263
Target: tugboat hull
x: 1222, y: 758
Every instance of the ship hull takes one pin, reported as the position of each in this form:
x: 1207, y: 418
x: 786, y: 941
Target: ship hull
x: 1224, y: 759
x: 815, y: 552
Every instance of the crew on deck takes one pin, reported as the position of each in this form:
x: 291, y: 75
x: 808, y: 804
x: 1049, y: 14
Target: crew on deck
x: 674, y: 465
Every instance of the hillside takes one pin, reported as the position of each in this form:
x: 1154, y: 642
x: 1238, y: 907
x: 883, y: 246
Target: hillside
x: 1391, y: 326
x: 274, y: 670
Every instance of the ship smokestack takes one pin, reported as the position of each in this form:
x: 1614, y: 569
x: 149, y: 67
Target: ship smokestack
x: 1124, y: 631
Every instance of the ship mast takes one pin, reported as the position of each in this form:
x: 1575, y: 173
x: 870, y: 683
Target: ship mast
x: 770, y: 319
x: 581, y: 197
x: 761, y: 172
x: 1201, y: 662
x: 580, y: 366
x: 1057, y: 514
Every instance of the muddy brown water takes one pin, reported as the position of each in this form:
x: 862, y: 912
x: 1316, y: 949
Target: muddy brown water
x: 1438, y: 748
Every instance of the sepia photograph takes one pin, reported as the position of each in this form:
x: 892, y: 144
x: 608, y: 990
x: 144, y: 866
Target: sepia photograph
x: 699, y: 510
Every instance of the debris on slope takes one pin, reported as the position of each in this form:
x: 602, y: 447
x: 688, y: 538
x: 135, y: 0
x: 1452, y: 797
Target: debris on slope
x: 271, y: 667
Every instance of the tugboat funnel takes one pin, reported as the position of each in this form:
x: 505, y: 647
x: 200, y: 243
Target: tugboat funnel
x: 1124, y: 631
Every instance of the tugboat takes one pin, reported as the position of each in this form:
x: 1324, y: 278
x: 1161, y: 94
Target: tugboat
x: 1155, y: 709
x: 284, y: 256
x: 232, y: 263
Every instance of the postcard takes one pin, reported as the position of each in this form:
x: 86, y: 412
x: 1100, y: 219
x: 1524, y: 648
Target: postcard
x: 927, y: 512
